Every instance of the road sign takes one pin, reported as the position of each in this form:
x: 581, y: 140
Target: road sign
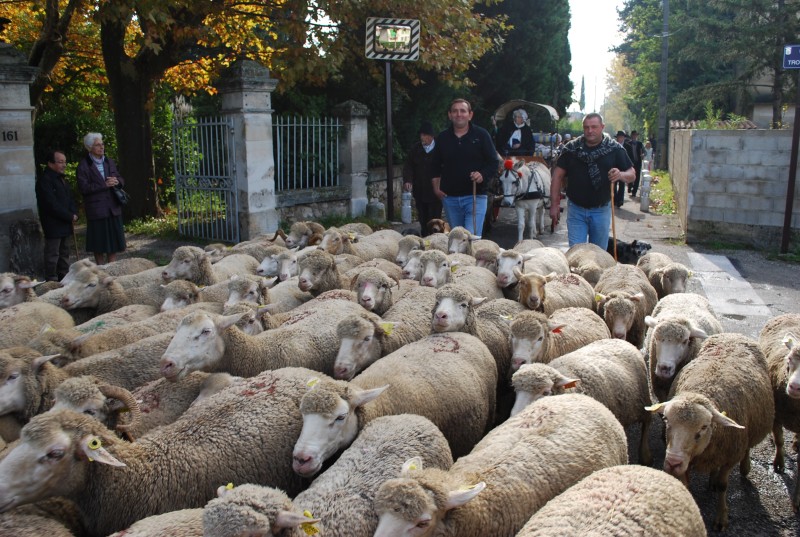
x: 392, y: 39
x: 791, y: 57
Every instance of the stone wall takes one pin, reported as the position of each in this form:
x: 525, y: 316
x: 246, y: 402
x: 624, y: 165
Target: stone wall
x: 731, y: 185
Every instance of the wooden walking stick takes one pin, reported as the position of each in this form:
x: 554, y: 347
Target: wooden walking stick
x: 75, y: 242
x: 613, y: 223
x: 474, y: 208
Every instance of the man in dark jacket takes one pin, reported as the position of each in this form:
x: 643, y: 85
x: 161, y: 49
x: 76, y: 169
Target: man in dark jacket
x: 635, y: 150
x: 417, y: 175
x: 57, y: 213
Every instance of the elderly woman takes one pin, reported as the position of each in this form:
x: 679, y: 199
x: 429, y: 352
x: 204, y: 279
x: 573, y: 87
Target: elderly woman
x: 517, y: 137
x: 97, y: 175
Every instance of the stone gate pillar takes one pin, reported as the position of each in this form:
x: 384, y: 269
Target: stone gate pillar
x: 353, y: 153
x: 246, y: 90
x: 20, y: 236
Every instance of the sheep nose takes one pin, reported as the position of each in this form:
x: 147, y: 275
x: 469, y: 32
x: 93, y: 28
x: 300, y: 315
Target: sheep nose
x: 341, y: 372
x: 165, y: 275
x: 664, y: 371
x: 284, y: 276
x: 502, y: 280
x: 261, y: 272
x: 427, y: 281
x: 516, y: 363
x: 619, y: 335
x: 64, y: 301
x: 441, y: 315
x: 168, y: 368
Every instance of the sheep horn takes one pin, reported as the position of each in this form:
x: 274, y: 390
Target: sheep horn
x: 280, y: 233
x: 127, y: 399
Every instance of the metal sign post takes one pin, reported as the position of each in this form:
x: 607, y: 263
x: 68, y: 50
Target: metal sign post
x: 791, y: 60
x: 391, y: 40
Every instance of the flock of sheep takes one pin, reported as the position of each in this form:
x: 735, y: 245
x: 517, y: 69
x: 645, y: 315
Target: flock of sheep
x: 345, y: 382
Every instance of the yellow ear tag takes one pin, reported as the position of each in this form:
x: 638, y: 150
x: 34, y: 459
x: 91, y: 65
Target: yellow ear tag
x: 507, y: 317
x: 351, y: 236
x: 788, y: 339
x: 307, y: 527
x: 427, y: 244
x: 412, y: 466
x: 94, y: 444
x: 312, y: 382
x: 724, y: 413
x: 653, y: 408
x: 690, y: 274
x: 597, y: 298
x: 468, y: 487
x: 387, y: 328
x: 229, y: 486
x: 454, y: 268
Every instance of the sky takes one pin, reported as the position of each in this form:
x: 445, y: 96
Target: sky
x: 593, y: 31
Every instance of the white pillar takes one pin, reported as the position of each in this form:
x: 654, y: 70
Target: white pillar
x: 353, y: 153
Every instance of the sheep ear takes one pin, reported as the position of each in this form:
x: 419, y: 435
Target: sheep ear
x: 789, y: 341
x: 650, y: 321
x: 223, y: 490
x: 722, y: 419
x: 107, y: 281
x: 457, y: 498
x: 527, y: 257
x: 600, y: 299
x: 92, y: 447
x: 518, y: 274
x: 287, y: 519
x: 555, y: 328
x: 46, y: 327
x: 412, y: 464
x: 566, y: 383
x: 477, y: 301
x: 39, y: 361
x: 362, y: 397
x: 226, y: 321
x: 658, y: 407
x: 637, y: 297
x: 696, y: 332
x: 550, y: 277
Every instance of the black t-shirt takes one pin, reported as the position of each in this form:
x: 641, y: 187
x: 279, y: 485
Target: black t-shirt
x: 579, y: 185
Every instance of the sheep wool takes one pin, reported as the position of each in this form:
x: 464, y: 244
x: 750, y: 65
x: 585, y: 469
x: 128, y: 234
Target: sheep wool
x: 620, y: 500
x: 509, y: 475
x: 23, y: 322
x: 624, y: 298
x: 589, y: 261
x: 665, y: 276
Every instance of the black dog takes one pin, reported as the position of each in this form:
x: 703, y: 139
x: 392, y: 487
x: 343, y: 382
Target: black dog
x: 628, y: 252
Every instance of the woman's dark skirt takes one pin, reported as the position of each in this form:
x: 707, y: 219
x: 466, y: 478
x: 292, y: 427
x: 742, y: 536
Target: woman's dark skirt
x: 105, y: 236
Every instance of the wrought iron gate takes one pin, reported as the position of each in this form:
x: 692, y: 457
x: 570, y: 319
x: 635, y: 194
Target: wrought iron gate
x: 205, y: 178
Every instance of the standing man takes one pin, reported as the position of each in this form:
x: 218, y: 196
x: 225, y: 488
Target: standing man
x: 619, y: 188
x: 57, y: 213
x: 635, y: 150
x: 591, y: 163
x: 417, y: 175
x: 465, y: 158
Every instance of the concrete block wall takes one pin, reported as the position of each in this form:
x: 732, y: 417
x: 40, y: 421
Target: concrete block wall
x: 732, y: 184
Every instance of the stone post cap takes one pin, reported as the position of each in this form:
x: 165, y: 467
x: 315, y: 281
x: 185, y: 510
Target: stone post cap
x: 351, y: 109
x: 246, y: 75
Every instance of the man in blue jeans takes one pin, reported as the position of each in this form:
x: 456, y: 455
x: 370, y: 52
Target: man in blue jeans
x: 591, y: 163
x: 464, y: 155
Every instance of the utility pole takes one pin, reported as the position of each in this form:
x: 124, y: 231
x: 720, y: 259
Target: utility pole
x: 661, y: 139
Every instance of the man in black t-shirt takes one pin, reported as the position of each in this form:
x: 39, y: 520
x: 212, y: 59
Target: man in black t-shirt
x: 591, y: 163
x: 635, y: 150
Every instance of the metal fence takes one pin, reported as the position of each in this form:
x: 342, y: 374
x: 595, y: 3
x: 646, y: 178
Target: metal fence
x: 306, y: 152
x: 205, y: 178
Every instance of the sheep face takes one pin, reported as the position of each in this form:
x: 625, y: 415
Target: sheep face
x: 531, y: 290
x: 51, y: 458
x: 405, y: 246
x: 526, y: 350
x: 185, y: 264
x: 534, y: 381
x: 619, y: 312
x: 196, y: 345
x: 671, y: 341
x: 287, y: 265
x: 179, y: 295
x: 298, y: 235
x: 75, y: 268
x: 435, y: 269
x: 82, y: 397
x: 507, y: 261
x: 460, y: 241
x: 251, y: 510
x: 792, y: 367
x: 313, y: 269
x: 370, y: 293
x: 450, y: 314
x: 412, y: 268
x: 12, y: 388
x: 356, y: 351
x: 244, y: 290
x: 673, y: 278
x: 86, y: 290
x: 690, y: 423
x: 13, y: 289
x: 268, y: 267
x: 333, y: 241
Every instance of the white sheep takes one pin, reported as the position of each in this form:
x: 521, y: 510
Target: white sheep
x: 553, y: 291
x: 449, y: 378
x: 301, y: 234
x: 381, y: 244
x: 536, y: 337
x: 676, y: 330
x: 317, y: 273
x: 589, y: 261
x: 540, y: 261
x: 244, y: 434
x: 364, y: 338
x: 611, y: 371
x: 526, y: 245
x: 121, y: 267
x: 665, y: 275
x: 409, y: 243
x: 412, y: 268
x: 624, y: 298
x: 359, y: 228
x: 193, y: 264
x: 269, y: 265
x: 210, y: 342
x: 374, y: 289
x: 55, y: 517
x: 437, y: 270
x: 620, y: 500
x: 461, y: 241
x: 778, y: 342
x: 23, y: 322
x: 104, y: 402
x: 486, y: 256
x: 101, y: 293
x: 514, y: 471
x: 15, y: 289
x: 721, y: 405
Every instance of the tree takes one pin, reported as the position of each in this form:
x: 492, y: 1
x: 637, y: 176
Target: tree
x: 582, y: 101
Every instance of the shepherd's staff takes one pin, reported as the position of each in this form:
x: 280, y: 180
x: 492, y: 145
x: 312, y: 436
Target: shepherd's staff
x: 474, y: 201
x: 75, y: 242
x: 613, y: 224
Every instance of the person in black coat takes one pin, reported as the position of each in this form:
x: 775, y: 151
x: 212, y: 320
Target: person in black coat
x: 417, y: 175
x: 97, y: 175
x: 516, y: 138
x: 57, y: 213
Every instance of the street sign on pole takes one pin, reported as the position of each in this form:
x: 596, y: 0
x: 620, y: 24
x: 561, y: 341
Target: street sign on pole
x: 791, y: 60
x: 392, y: 39
x: 791, y: 57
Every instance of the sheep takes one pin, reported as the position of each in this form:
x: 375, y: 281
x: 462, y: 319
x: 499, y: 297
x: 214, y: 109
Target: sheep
x: 437, y: 226
x: 721, y: 405
x: 193, y: 264
x: 620, y: 500
x: 624, y: 298
x: 257, y: 248
x: 252, y: 322
x: 517, y: 468
x: 55, y: 517
x: 536, y: 337
x: 23, y: 322
x: 285, y: 296
x: 448, y: 378
x: 301, y: 234
x: 244, y: 434
x: 182, y: 523
x: 665, y: 276
x: 101, y: 293
x: 269, y: 262
x: 526, y: 245
x: 554, y: 291
x: 486, y: 256
x: 609, y: 370
x: 409, y: 243
x: 363, y: 338
x: 778, y: 342
x: 412, y: 268
x: 288, y: 262
x: 381, y: 244
x: 676, y: 330
x: 589, y: 260
x: 391, y: 269
x: 438, y: 271
x: 15, y: 289
x: 145, y: 277
x: 209, y: 342
x: 459, y: 240
x: 104, y: 402
x: 359, y: 228
x: 317, y: 273
x: 541, y: 261
x: 374, y: 290
x: 121, y: 267
x: 438, y: 241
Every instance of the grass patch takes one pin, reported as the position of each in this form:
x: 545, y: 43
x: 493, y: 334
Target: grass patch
x: 662, y: 198
x: 165, y: 227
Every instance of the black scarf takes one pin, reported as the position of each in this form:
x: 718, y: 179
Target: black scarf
x: 579, y: 149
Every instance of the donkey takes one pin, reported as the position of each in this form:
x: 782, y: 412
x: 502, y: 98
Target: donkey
x: 526, y: 187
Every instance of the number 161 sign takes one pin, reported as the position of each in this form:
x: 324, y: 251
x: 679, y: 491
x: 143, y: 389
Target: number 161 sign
x: 392, y: 39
